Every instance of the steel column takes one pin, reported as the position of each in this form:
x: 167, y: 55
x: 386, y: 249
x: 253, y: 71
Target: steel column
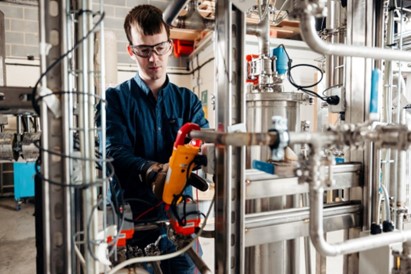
x: 57, y: 249
x: 2, y: 51
x: 230, y: 161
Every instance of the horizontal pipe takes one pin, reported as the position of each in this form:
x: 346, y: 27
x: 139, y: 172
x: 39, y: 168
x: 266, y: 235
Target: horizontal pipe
x: 309, y: 35
x: 237, y: 139
x: 291, y: 215
x: 318, y: 139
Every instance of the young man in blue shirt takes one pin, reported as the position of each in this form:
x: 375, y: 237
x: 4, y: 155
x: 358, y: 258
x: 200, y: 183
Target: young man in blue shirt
x: 144, y: 115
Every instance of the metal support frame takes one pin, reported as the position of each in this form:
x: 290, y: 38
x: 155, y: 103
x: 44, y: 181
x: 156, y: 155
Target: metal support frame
x: 56, y: 249
x: 230, y: 161
x: 2, y: 51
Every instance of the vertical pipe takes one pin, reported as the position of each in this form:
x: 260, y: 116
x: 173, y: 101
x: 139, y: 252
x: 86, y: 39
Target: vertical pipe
x: 86, y: 131
x: 387, y: 98
x: 307, y: 246
x: 46, y: 256
x: 265, y: 30
x: 66, y: 115
x: 103, y: 119
x: 401, y: 165
x: 400, y: 155
x: 332, y: 24
x: 378, y: 24
x: 375, y: 196
x: 2, y: 51
x: 68, y: 118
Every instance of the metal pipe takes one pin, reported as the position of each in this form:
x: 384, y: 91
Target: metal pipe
x: 400, y: 166
x: 172, y: 11
x: 332, y: 25
x: 102, y: 148
x: 86, y: 132
x: 236, y: 139
x: 375, y: 184
x: 67, y: 125
x: 239, y: 139
x: 2, y: 51
x: 307, y: 246
x: 309, y: 34
x: 46, y: 229
x: 317, y: 226
x: 193, y: 19
x: 262, y: 31
x: 199, y: 263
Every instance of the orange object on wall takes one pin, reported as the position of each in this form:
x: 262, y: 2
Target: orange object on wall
x: 249, y: 78
x: 182, y: 47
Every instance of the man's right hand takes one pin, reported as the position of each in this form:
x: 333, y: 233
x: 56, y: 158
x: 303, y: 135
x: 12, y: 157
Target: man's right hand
x: 156, y: 177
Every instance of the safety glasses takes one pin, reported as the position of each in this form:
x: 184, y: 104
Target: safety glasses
x: 146, y: 51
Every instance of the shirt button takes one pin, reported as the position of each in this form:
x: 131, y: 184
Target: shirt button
x: 159, y: 128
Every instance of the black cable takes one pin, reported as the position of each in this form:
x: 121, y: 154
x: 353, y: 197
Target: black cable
x: 35, y: 103
x: 331, y: 100
x: 58, y: 60
x: 202, y: 65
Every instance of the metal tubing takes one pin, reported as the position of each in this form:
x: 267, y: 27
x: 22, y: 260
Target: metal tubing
x: 333, y: 23
x: 172, y: 11
x: 102, y: 140
x: 375, y: 184
x: 239, y: 139
x: 2, y: 50
x: 46, y: 229
x: 236, y: 139
x: 199, y: 263
x: 400, y: 166
x: 86, y: 132
x: 310, y: 36
x: 317, y: 226
x: 262, y: 31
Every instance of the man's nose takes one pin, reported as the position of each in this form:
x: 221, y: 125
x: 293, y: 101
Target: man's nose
x: 153, y: 56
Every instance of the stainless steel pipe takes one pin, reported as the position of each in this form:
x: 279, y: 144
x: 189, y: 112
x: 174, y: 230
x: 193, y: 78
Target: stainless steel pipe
x: 172, y: 10
x: 309, y: 34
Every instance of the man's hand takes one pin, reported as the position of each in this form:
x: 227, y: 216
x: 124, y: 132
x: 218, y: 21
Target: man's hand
x: 156, y: 177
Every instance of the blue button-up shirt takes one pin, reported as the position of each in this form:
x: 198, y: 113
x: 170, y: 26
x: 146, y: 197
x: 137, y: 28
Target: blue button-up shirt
x: 141, y: 129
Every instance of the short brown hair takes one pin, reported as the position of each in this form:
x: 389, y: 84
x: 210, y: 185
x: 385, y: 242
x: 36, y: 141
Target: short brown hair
x: 148, y: 18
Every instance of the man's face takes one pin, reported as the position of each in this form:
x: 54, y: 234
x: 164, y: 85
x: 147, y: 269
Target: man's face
x: 152, y: 67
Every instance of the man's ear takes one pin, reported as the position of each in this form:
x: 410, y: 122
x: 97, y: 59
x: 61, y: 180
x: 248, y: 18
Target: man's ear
x: 172, y: 47
x: 130, y: 52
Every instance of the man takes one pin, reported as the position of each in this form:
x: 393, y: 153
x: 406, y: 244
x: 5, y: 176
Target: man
x: 144, y: 115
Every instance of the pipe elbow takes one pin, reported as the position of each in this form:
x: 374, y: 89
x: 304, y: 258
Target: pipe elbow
x: 321, y: 245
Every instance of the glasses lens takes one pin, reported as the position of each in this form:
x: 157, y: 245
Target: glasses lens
x: 142, y: 51
x: 145, y: 51
x: 162, y: 48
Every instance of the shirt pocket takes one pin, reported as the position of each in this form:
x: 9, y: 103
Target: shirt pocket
x: 172, y: 127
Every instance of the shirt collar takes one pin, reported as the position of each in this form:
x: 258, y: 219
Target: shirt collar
x: 141, y: 84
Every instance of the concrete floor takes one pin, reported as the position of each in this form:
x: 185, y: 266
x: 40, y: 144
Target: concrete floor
x: 17, y: 238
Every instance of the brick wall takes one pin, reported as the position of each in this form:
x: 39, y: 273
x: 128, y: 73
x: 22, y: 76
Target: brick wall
x: 21, y: 25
